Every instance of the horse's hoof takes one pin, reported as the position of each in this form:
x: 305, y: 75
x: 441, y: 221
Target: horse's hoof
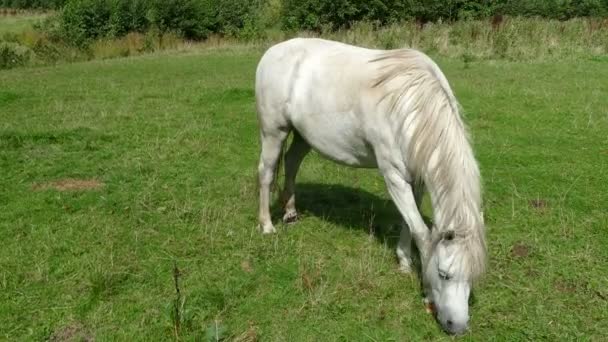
x: 290, y: 217
x: 430, y: 308
x: 268, y: 230
x: 405, y: 263
x: 405, y: 269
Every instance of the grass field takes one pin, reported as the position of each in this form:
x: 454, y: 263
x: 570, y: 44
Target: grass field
x: 19, y: 23
x: 114, y: 172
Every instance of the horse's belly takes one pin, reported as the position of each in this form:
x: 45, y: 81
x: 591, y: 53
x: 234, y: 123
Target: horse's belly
x: 337, y: 137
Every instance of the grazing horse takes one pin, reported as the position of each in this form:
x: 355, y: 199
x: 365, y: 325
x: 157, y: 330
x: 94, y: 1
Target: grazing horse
x: 392, y: 110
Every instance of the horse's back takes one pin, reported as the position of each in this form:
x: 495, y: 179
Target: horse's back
x: 330, y: 93
x: 311, y: 63
x: 332, y: 62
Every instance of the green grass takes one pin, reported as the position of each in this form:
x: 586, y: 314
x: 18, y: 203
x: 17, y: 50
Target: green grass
x: 19, y: 23
x: 174, y: 139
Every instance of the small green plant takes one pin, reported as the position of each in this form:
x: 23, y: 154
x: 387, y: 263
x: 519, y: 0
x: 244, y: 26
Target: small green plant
x: 13, y: 55
x: 215, y: 332
x: 177, y: 303
x: 467, y: 58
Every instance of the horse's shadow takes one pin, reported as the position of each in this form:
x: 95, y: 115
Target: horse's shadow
x: 351, y: 208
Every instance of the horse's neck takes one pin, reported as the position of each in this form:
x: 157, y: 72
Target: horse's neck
x: 456, y: 198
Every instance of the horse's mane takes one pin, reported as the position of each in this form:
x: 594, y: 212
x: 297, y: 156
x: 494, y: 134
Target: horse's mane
x: 437, y: 148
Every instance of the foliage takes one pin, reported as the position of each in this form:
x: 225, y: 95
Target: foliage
x: 32, y: 4
x: 86, y: 20
x: 318, y: 14
x: 128, y: 16
x: 13, y: 55
x: 555, y: 9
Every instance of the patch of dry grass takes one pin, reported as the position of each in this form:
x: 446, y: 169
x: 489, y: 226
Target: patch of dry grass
x: 70, y: 184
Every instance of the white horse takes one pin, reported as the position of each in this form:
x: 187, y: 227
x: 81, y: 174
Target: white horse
x: 391, y: 110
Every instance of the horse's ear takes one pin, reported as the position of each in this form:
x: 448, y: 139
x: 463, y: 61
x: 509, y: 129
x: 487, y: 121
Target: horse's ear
x: 448, y: 236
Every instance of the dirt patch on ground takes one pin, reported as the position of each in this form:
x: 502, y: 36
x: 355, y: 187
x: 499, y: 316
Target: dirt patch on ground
x: 72, y: 332
x: 246, y: 266
x: 565, y: 286
x: 540, y: 205
x: 70, y: 184
x: 250, y: 335
x: 520, y: 250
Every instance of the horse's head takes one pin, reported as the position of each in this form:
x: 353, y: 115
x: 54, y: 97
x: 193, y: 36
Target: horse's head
x: 448, y: 276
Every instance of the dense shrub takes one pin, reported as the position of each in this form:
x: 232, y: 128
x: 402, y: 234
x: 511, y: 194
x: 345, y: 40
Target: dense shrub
x: 319, y: 14
x: 555, y: 9
x: 233, y: 15
x: 128, y: 16
x: 315, y: 14
x: 33, y: 4
x: 83, y: 21
x: 13, y: 54
x: 191, y: 19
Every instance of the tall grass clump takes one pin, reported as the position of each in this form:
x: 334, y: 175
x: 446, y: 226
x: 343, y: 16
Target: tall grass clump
x: 13, y: 55
x: 512, y: 38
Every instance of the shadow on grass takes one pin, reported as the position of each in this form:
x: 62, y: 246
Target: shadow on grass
x: 356, y: 209
x: 351, y: 208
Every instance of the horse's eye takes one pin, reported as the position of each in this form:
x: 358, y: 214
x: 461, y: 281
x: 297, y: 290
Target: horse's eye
x: 444, y: 276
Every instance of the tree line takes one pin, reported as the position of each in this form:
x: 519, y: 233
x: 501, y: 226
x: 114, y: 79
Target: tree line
x: 84, y: 20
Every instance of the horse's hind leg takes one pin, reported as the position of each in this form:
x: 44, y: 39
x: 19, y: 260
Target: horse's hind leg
x: 269, y: 157
x: 298, y: 149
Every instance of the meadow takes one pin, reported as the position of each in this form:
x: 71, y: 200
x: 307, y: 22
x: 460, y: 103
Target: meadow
x: 128, y: 209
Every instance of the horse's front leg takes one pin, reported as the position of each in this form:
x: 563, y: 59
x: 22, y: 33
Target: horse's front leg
x: 404, y: 248
x: 402, y: 193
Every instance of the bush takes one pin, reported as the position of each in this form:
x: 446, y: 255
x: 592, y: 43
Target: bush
x: 188, y: 18
x: 85, y: 20
x: 13, y: 55
x: 234, y: 15
x: 317, y: 14
x: 128, y: 16
x: 32, y: 4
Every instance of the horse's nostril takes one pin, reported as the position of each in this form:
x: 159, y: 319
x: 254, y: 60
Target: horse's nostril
x: 449, y: 323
